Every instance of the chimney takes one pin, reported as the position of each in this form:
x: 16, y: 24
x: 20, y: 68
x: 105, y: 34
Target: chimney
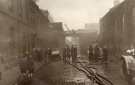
x: 116, y: 2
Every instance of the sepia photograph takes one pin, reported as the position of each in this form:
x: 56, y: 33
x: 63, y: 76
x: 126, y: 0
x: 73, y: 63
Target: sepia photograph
x: 67, y: 42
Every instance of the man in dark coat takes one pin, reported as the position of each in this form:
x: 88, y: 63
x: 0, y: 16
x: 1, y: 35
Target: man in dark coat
x: 90, y: 53
x: 22, y: 64
x: 68, y: 53
x: 105, y: 54
x: 105, y: 57
x: 64, y: 54
x: 73, y: 53
x: 96, y: 53
x: 49, y: 54
x: 37, y: 54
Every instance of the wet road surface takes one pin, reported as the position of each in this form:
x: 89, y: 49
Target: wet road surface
x: 64, y: 72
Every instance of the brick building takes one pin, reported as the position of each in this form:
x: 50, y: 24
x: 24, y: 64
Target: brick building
x: 19, y: 22
x: 117, y: 27
x: 56, y: 32
x: 50, y: 34
x: 24, y: 26
x: 87, y: 36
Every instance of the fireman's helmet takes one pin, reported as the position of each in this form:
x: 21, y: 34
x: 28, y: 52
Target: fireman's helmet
x: 131, y: 51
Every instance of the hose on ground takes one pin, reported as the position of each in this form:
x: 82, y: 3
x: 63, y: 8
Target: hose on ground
x: 93, y: 75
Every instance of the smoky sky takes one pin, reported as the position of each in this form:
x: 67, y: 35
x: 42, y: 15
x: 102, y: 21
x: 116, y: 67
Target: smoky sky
x: 75, y: 13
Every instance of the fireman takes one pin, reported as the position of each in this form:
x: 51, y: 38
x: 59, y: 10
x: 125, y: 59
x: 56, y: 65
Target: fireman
x: 64, y: 54
x: 72, y: 53
x: 26, y: 63
x: 96, y: 53
x: 75, y: 53
x: 27, y: 69
x: 68, y: 54
x: 37, y: 54
x: 90, y: 53
x: 22, y: 64
x: 49, y: 54
x: 30, y: 64
x: 105, y: 54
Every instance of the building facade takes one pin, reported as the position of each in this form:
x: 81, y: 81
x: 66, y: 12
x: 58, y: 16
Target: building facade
x: 24, y: 26
x: 56, y: 33
x: 87, y: 37
x: 19, y: 22
x: 117, y: 27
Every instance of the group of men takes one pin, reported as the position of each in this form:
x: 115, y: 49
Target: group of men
x: 26, y: 63
x: 70, y: 54
x: 27, y: 60
x: 96, y: 53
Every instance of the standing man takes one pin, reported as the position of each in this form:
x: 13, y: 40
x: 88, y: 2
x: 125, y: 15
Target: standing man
x: 49, y: 54
x: 73, y: 53
x: 30, y: 64
x: 68, y: 53
x: 96, y: 53
x: 44, y: 55
x: 64, y: 54
x: 90, y: 53
x: 37, y: 54
x: 105, y: 57
x: 27, y: 69
x: 23, y: 63
x: 26, y: 63
x: 105, y: 54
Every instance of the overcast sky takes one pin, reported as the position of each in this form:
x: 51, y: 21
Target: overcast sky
x: 75, y: 13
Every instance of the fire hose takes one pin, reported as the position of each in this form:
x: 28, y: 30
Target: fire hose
x: 94, y: 76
